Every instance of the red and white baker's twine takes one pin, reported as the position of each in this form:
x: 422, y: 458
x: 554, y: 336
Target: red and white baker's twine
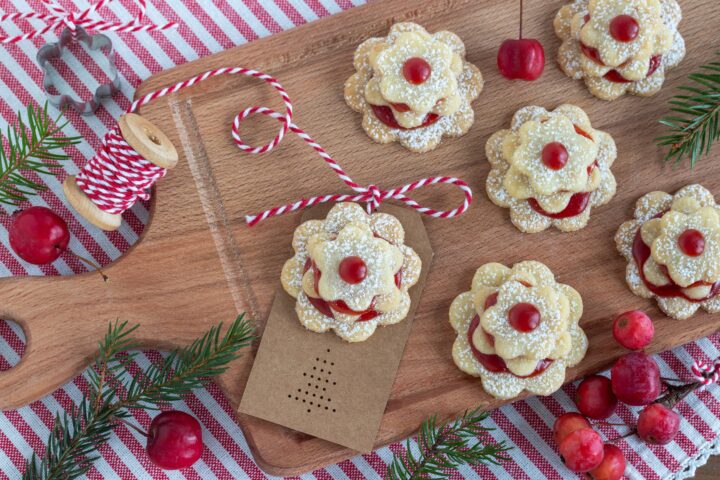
x: 115, y: 177
x: 61, y: 17
x: 706, y: 373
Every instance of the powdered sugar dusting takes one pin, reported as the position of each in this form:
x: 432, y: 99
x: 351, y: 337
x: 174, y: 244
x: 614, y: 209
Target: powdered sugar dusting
x: 349, y: 231
x: 510, y: 187
x: 629, y: 60
x: 456, y: 115
x: 693, y: 206
x: 564, y: 310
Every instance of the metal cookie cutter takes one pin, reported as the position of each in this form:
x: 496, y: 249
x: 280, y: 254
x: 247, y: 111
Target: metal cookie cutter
x: 65, y: 95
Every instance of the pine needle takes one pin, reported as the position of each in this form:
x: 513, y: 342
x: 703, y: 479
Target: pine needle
x: 78, y: 433
x: 36, y: 144
x: 694, y: 124
x: 443, y: 448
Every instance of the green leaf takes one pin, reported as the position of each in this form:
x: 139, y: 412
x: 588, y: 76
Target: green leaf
x: 34, y: 144
x: 696, y: 124
x: 78, y: 433
x: 446, y: 447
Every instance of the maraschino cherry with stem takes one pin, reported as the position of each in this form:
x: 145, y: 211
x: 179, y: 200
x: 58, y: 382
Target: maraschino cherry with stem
x: 521, y: 58
x: 39, y: 236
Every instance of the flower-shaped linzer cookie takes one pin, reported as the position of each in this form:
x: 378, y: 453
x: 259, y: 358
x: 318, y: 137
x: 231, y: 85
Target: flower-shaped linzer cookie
x: 351, y: 272
x: 413, y: 87
x: 517, y: 329
x: 550, y: 168
x: 620, y: 46
x: 673, y: 250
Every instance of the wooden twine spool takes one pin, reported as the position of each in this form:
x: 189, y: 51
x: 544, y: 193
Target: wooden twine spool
x: 148, y: 141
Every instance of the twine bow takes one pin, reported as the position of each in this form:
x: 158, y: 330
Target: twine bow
x: 117, y: 175
x: 706, y: 373
x: 60, y: 16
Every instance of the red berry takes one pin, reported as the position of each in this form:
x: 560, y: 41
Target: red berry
x: 554, y: 155
x: 416, y: 70
x: 522, y: 59
x: 692, y: 242
x: 624, y: 28
x: 582, y: 450
x: 568, y: 423
x: 658, y: 424
x: 595, y: 397
x: 635, y: 379
x: 524, y: 317
x: 38, y: 235
x: 352, y: 270
x: 633, y: 330
x: 174, y: 440
x: 612, y: 466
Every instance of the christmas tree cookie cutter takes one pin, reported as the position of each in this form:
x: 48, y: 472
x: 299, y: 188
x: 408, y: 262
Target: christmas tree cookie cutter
x: 58, y: 92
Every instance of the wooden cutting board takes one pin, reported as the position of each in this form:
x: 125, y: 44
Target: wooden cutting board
x: 198, y: 264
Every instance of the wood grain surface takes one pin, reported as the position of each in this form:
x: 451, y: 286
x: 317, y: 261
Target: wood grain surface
x: 198, y: 263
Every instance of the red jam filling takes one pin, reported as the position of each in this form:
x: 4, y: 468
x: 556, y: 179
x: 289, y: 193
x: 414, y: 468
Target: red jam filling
x: 577, y: 204
x: 692, y: 242
x: 416, y: 70
x: 613, y: 75
x: 524, y: 317
x: 624, y: 28
x: 582, y: 132
x: 400, y: 107
x: 579, y: 201
x: 495, y: 363
x: 594, y: 55
x: 352, y: 270
x: 385, y: 115
x: 641, y: 253
x: 554, y: 155
x: 327, y: 308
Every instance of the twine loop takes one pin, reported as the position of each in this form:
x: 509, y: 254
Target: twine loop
x: 706, y: 372
x: 117, y: 175
x: 60, y: 17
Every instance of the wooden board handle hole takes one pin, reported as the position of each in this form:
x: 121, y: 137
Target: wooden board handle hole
x: 13, y: 347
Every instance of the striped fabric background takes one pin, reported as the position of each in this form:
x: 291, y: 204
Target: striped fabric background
x: 208, y: 26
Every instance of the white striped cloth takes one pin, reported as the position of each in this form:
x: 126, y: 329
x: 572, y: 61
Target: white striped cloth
x: 205, y: 27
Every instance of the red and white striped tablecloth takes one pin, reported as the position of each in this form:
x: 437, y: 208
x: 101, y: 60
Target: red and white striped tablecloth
x: 206, y: 27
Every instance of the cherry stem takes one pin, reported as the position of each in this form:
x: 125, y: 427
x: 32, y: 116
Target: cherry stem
x: 629, y: 434
x: 521, y: 18
x: 603, y: 422
x: 675, y: 394
x: 92, y: 264
x: 674, y: 380
x: 136, y: 428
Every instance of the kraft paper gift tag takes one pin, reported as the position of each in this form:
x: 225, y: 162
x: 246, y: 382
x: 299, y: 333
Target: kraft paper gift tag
x: 319, y: 384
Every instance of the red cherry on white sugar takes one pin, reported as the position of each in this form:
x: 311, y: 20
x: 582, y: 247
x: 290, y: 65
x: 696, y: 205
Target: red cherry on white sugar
x: 521, y: 59
x: 657, y: 424
x: 612, y: 466
x: 636, y: 379
x: 595, y: 397
x: 582, y: 450
x: 38, y: 235
x: 633, y: 330
x: 174, y: 440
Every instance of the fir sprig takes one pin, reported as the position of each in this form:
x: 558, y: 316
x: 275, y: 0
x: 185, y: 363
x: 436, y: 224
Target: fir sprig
x: 695, y: 122
x: 445, y: 447
x: 78, y: 433
x: 35, y: 144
